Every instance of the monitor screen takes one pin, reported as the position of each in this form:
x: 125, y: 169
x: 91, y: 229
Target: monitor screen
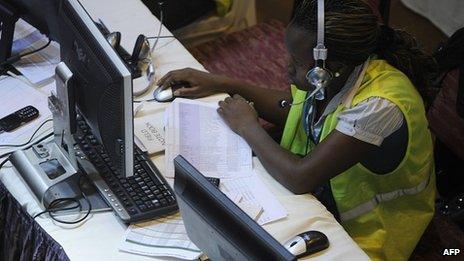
x: 216, y: 225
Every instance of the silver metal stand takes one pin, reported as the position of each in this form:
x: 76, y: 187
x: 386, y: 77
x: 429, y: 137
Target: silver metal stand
x: 51, y: 169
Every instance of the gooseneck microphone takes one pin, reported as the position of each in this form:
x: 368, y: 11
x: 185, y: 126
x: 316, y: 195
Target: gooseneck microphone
x: 284, y: 103
x: 319, y: 76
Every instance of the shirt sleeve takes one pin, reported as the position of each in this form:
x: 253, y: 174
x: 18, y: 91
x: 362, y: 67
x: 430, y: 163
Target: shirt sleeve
x: 371, y: 121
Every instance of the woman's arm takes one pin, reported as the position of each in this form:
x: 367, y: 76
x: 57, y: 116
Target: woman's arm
x: 202, y: 84
x: 266, y: 101
x: 337, y: 153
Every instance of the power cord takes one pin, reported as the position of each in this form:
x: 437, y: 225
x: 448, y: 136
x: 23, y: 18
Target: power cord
x: 54, y: 207
x: 30, y: 139
x: 28, y: 147
x: 18, y: 57
x: 4, y: 162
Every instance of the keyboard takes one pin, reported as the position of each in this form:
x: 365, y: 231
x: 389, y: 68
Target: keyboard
x: 146, y: 195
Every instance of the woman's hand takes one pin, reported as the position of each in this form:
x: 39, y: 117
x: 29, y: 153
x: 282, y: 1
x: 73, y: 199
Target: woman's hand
x: 238, y: 113
x: 201, y: 83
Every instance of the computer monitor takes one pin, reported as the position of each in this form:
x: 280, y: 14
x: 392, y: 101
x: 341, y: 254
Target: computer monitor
x: 102, y: 83
x: 218, y: 226
x: 40, y: 13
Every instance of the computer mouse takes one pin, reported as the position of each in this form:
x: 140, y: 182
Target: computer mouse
x: 166, y: 94
x: 162, y: 94
x: 307, y: 243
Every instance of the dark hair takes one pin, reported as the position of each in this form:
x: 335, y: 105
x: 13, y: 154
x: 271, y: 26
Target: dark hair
x: 353, y: 33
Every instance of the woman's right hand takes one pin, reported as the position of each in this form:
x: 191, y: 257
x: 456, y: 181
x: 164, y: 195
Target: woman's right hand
x: 201, y: 84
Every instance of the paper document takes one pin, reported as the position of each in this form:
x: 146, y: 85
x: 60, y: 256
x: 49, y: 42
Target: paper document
x: 254, y: 191
x: 16, y: 95
x: 39, y: 67
x: 164, y: 237
x: 149, y: 132
x: 196, y: 131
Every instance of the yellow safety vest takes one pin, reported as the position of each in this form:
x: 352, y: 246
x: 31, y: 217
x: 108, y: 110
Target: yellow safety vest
x: 385, y: 214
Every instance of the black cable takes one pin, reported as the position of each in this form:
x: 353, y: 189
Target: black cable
x: 16, y: 58
x: 52, y: 208
x: 28, y: 147
x: 161, y: 37
x: 4, y: 162
x: 59, y: 201
x: 30, y: 139
x: 150, y: 100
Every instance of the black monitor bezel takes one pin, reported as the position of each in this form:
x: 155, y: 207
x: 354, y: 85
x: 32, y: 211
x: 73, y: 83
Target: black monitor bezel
x: 189, y: 178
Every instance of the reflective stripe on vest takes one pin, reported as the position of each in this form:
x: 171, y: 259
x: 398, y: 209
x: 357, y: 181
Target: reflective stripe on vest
x: 384, y: 197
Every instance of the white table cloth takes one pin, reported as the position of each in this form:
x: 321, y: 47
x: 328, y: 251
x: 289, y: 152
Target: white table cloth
x: 98, y: 237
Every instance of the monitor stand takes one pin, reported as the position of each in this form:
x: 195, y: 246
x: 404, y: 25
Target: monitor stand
x: 58, y: 168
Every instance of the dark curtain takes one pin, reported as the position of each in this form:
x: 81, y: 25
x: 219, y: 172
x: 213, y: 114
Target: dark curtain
x: 21, y: 238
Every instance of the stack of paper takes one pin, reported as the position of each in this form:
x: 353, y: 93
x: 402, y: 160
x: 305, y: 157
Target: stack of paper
x: 164, y: 237
x: 196, y: 131
x: 39, y: 68
x: 167, y: 237
x: 149, y: 132
x: 255, y: 193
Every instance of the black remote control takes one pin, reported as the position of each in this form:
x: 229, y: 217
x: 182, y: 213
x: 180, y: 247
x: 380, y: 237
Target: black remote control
x: 214, y: 181
x: 18, y: 118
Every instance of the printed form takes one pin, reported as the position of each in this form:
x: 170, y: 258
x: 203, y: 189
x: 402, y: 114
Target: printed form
x: 253, y: 190
x: 164, y: 237
x: 196, y: 131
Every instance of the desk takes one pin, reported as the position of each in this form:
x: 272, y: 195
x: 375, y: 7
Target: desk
x: 98, y: 237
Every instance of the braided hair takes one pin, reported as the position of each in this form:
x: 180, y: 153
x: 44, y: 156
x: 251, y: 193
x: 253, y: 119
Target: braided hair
x: 353, y: 33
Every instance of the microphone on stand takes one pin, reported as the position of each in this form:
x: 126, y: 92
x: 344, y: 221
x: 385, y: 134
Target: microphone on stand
x: 284, y: 103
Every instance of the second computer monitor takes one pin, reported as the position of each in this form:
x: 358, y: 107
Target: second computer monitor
x: 216, y: 225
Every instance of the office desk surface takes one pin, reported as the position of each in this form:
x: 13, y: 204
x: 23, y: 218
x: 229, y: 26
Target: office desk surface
x: 98, y: 237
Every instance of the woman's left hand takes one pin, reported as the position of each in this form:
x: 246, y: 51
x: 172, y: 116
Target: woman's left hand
x: 238, y: 113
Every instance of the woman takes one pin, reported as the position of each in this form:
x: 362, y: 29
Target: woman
x: 362, y: 146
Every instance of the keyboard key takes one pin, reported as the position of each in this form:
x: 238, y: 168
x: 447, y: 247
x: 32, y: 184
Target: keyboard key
x: 143, y: 192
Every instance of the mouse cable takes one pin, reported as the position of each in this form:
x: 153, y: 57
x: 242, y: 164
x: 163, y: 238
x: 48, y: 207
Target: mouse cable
x: 161, y: 37
x: 30, y: 139
x: 140, y: 101
x: 18, y: 57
